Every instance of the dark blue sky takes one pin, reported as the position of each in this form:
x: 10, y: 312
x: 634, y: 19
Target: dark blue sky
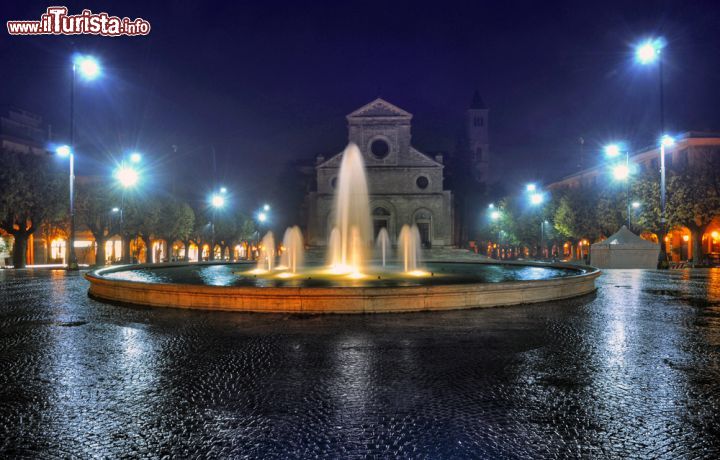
x: 267, y: 82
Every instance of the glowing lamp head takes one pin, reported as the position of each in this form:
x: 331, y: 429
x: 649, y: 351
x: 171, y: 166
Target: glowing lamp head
x: 223, y: 190
x: 648, y: 52
x: 127, y: 176
x: 635, y: 204
x: 621, y: 172
x: 266, y: 207
x: 88, y: 66
x: 530, y: 187
x: 115, y: 209
x: 612, y: 150
x: 667, y: 141
x: 63, y: 151
x: 495, y: 215
x: 217, y: 201
x: 135, y: 157
x: 262, y: 217
x: 491, y: 206
x: 536, y: 199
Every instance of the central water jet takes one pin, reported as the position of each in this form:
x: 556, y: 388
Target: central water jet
x: 351, y: 235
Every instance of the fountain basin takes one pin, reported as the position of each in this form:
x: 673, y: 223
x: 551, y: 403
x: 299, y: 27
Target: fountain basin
x: 454, y: 285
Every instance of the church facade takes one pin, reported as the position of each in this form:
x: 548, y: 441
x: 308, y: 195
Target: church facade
x: 405, y: 185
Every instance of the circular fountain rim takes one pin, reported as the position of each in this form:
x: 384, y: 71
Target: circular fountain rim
x: 340, y: 299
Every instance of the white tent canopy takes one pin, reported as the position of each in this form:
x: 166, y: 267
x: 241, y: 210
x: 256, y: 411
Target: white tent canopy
x: 624, y: 249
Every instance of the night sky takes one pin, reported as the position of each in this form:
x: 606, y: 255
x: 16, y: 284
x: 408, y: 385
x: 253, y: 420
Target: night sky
x: 266, y: 83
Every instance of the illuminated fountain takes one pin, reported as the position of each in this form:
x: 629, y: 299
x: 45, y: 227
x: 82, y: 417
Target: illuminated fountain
x: 266, y: 261
x: 410, y: 249
x: 349, y: 282
x: 351, y: 235
x: 291, y: 258
x: 383, y: 244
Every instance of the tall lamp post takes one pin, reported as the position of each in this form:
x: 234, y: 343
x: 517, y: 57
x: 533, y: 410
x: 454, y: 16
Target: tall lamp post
x: 89, y: 69
x: 536, y: 199
x: 495, y: 215
x: 621, y: 172
x: 217, y: 201
x: 647, y: 53
x: 127, y: 176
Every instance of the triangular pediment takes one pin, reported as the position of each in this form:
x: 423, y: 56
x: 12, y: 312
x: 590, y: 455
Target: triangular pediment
x: 380, y: 108
x: 413, y: 158
x: 417, y: 158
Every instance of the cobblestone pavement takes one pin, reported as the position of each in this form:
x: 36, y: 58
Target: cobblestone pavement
x: 633, y: 371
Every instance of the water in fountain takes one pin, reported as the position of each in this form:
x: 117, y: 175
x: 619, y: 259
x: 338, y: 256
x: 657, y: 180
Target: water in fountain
x: 266, y: 261
x: 410, y: 248
x: 383, y: 244
x: 352, y: 234
x: 293, y: 250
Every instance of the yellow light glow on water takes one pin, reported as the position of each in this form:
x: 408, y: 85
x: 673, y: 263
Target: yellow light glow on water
x: 257, y: 271
x: 342, y: 269
x: 356, y: 275
x: 418, y: 273
x: 285, y: 275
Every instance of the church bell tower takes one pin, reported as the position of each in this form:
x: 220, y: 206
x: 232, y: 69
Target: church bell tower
x: 476, y: 125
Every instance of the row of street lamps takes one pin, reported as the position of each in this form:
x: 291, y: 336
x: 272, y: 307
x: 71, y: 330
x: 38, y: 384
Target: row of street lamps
x: 126, y: 174
x: 646, y: 53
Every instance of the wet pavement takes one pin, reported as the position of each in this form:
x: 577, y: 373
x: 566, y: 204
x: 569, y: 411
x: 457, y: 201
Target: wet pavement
x: 633, y: 371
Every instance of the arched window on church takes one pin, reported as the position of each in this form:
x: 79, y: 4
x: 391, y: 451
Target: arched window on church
x: 381, y: 219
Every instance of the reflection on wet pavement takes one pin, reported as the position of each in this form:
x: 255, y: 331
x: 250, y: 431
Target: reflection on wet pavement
x: 632, y: 371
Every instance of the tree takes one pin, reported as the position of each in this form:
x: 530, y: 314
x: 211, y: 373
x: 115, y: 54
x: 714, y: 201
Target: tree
x: 93, y: 206
x: 610, y: 210
x: 575, y: 215
x: 646, y: 190
x: 141, y: 219
x: 175, y: 222
x: 694, y: 199
x: 32, y: 191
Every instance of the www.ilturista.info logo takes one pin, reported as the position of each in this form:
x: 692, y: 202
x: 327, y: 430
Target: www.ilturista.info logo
x: 55, y: 21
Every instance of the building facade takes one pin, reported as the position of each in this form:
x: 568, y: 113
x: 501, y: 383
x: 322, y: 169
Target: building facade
x: 689, y: 149
x: 405, y: 185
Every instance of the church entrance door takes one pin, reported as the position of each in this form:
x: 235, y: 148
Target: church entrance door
x: 424, y: 229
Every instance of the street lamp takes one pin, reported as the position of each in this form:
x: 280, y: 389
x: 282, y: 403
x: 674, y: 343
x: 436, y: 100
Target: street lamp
x: 536, y: 199
x: 127, y: 176
x: 647, y: 53
x: 65, y: 151
x: 88, y: 66
x: 530, y: 187
x: 89, y: 69
x: 266, y: 207
x: 543, y: 223
x: 621, y: 172
x: 217, y: 201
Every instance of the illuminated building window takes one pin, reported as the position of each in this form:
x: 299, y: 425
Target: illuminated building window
x: 57, y: 249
